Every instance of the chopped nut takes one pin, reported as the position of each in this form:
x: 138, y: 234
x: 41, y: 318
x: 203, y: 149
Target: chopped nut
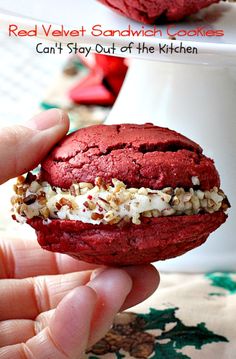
x: 20, y: 180
x: 175, y: 201
x: 196, y: 202
x: 91, y: 205
x: 147, y: 214
x: 58, y: 206
x: 45, y: 212
x: 168, y: 212
x: 168, y: 190
x: 103, y: 205
x: 65, y: 202
x: 109, y: 215
x: 22, y: 208
x: 132, y: 190
x: 114, y: 205
x: 123, y: 196
x: 188, y: 205
x: 225, y: 204
x: 187, y: 197
x: 30, y: 199
x: 83, y: 190
x: 16, y: 200
x: 118, y: 185
x: 221, y: 193
x: 127, y: 207
x: 30, y: 178
x: 210, y: 203
x: 114, y: 220
x: 86, y: 185
x: 180, y: 206
x: 166, y: 197
x: 179, y: 191
x: 203, y: 203
x: 208, y: 194
x: 100, y: 183
x: 200, y: 194
x: 20, y: 191
x: 156, y: 213
x: 136, y: 220
x: 195, y: 181
x: 41, y: 197
x: 216, y: 198
x: 143, y: 191
x: 75, y: 190
x: 34, y: 187
x: 96, y: 216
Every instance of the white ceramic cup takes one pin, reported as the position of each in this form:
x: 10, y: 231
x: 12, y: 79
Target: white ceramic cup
x: 200, y: 102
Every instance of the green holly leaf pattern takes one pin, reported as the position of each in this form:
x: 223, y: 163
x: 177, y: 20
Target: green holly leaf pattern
x: 167, y: 351
x: 222, y: 280
x: 182, y: 335
x: 133, y: 336
x: 157, y: 319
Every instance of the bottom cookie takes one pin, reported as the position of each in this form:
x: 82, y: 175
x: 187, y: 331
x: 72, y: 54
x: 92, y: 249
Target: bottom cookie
x: 127, y: 244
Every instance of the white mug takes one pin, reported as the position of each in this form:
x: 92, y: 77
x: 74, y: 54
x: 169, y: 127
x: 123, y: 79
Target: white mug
x: 198, y: 101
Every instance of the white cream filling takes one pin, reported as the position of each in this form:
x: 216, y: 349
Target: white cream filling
x: 114, y: 203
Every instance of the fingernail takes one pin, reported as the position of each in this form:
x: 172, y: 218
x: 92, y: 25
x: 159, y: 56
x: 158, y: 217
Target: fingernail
x: 45, y: 120
x: 96, y: 272
x: 111, y: 277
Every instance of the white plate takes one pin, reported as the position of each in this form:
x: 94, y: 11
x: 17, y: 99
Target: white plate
x: 75, y: 13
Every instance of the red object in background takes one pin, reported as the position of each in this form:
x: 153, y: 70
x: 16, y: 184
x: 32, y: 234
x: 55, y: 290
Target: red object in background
x: 149, y: 12
x: 102, y: 85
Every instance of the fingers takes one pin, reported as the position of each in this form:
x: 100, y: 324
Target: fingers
x: 26, y: 298
x: 25, y: 258
x: 66, y: 337
x: 16, y: 331
x: 112, y: 288
x: 81, y: 318
x: 17, y: 143
x: 145, y: 280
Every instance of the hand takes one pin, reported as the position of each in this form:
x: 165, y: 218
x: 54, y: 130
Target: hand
x: 51, y: 305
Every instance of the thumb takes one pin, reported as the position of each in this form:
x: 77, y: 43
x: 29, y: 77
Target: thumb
x: 23, y: 147
x: 68, y: 332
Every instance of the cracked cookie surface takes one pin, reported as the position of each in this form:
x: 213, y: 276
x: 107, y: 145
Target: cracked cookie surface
x: 139, y: 155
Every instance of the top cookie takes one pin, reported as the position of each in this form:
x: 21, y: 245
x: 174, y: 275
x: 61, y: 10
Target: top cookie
x: 139, y: 155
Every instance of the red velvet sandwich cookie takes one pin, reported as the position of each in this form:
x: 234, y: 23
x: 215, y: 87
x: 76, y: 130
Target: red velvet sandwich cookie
x: 122, y: 195
x: 148, y: 12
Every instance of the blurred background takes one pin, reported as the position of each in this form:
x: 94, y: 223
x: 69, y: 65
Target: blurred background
x: 86, y: 88
x: 30, y: 82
